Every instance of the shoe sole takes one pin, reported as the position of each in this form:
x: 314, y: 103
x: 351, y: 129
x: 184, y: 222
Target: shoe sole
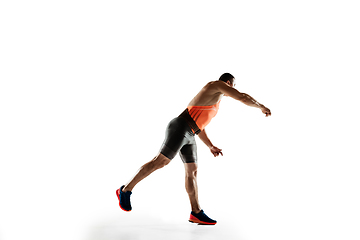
x: 196, y: 220
x: 118, y: 196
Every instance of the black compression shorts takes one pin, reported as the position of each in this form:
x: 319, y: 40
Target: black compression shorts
x: 179, y: 137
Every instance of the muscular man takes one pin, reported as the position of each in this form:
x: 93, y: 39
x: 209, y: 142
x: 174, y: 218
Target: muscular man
x: 179, y: 137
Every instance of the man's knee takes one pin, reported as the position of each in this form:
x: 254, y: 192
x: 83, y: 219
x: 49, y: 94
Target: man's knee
x: 161, y: 161
x: 191, y: 169
x: 191, y: 174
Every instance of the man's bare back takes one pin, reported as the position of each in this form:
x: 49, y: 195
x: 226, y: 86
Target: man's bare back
x: 208, y: 95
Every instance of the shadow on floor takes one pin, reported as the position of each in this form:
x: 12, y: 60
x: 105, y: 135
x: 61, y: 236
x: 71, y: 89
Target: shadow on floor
x: 135, y: 227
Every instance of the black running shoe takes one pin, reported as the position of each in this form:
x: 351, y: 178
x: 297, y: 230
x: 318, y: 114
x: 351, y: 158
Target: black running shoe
x: 124, y: 199
x: 201, y: 218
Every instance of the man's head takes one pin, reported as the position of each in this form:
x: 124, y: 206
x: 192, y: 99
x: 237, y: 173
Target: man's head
x: 228, y: 78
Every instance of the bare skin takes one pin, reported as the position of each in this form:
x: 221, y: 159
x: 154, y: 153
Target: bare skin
x: 158, y: 162
x: 209, y: 95
x: 191, y: 186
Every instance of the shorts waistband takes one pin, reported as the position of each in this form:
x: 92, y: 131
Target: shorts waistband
x: 192, y: 124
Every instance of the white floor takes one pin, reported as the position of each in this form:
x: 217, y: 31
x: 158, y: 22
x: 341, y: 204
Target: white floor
x: 137, y: 227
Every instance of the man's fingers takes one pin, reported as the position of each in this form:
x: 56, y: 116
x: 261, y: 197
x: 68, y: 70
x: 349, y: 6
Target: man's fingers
x: 216, y: 154
x: 216, y: 151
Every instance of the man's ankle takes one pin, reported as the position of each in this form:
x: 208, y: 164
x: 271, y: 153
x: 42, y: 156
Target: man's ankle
x: 124, y: 190
x: 196, y: 211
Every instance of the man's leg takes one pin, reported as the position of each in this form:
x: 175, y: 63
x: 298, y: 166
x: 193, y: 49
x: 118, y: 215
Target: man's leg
x: 197, y: 214
x: 158, y: 162
x: 191, y: 186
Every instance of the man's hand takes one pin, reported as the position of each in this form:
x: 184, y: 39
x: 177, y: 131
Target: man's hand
x: 216, y: 151
x: 266, y: 111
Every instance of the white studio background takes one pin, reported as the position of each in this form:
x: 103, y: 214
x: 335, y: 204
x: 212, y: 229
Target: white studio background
x: 88, y: 87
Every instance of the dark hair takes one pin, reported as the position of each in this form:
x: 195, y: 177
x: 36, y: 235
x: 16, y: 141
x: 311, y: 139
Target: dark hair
x: 227, y: 77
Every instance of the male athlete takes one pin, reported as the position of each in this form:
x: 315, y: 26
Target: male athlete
x: 179, y: 137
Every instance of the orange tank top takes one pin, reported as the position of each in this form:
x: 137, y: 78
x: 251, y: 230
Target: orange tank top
x: 202, y: 115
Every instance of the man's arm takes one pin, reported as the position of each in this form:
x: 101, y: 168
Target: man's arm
x: 242, y: 97
x: 214, y: 150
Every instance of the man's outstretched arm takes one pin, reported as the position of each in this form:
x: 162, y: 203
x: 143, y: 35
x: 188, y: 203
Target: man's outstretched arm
x: 214, y: 150
x: 242, y: 97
